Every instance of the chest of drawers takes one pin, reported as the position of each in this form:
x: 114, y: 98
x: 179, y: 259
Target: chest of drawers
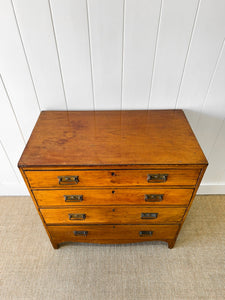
x: 112, y: 176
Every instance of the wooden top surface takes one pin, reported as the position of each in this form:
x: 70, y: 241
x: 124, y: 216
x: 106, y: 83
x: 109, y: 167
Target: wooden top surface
x: 112, y: 138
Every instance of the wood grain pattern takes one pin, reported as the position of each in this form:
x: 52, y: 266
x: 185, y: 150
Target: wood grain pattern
x: 49, y: 179
x: 113, y: 215
x: 37, y: 208
x: 113, y: 196
x: 112, y: 138
x: 192, y: 198
x: 112, y: 167
x: 117, y: 233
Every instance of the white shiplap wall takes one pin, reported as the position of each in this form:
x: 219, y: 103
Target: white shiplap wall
x: 112, y: 54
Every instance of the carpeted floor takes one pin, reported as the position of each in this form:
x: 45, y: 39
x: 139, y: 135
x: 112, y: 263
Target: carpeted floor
x: 31, y: 269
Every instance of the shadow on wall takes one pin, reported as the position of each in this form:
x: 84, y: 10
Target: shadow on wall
x: 210, y: 132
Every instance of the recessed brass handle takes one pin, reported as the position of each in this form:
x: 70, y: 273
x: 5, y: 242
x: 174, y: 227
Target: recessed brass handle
x: 85, y: 233
x: 73, y: 198
x: 154, y: 197
x: 68, y: 179
x: 144, y: 233
x: 77, y: 217
x: 157, y: 177
x: 149, y: 215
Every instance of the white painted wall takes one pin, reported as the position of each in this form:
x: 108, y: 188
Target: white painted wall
x: 112, y: 54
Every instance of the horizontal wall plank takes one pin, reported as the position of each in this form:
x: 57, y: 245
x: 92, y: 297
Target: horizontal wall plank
x: 71, y: 27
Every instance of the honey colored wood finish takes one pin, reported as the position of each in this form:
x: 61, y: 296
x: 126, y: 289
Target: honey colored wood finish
x: 108, y: 234
x: 113, y: 196
x: 86, y: 138
x: 112, y: 176
x: 113, y: 215
x: 50, y: 179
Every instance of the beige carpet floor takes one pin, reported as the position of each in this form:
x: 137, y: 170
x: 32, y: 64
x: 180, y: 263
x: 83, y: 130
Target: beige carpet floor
x: 31, y: 269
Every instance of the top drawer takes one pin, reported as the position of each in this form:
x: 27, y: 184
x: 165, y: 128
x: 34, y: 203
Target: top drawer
x: 81, y: 178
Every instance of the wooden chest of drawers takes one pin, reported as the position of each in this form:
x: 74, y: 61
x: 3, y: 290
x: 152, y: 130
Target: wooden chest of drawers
x: 112, y: 176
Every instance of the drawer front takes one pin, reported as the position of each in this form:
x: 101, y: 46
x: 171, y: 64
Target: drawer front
x: 112, y: 196
x: 113, y: 215
x: 91, y: 233
x: 62, y: 179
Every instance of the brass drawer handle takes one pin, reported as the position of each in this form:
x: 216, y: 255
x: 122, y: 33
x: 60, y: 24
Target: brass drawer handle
x: 144, y: 233
x: 154, y: 197
x: 157, y: 177
x: 77, y: 217
x: 149, y: 215
x: 73, y: 198
x: 85, y: 233
x: 68, y: 179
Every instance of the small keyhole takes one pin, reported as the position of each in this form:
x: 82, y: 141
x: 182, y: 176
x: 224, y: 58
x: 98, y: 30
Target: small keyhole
x: 113, y: 174
x: 113, y: 209
x: 113, y: 192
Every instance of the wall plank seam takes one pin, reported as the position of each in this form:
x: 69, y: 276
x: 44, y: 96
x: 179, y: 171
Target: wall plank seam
x: 10, y: 103
x: 114, y: 54
x: 10, y: 163
x: 90, y: 51
x: 221, y: 176
x: 155, y: 53
x: 211, y: 81
x: 25, y: 55
x: 216, y: 138
x: 188, y: 51
x: 122, y: 64
x: 57, y: 51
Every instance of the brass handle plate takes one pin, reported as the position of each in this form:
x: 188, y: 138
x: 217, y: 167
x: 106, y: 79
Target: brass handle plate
x: 157, y: 178
x: 73, y: 198
x: 154, y: 197
x: 149, y: 215
x: 77, y: 217
x: 68, y: 179
x: 85, y: 233
x: 144, y: 233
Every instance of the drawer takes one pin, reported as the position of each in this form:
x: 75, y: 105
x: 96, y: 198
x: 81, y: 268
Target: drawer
x: 92, y: 233
x: 62, y: 179
x: 113, y: 215
x: 117, y: 196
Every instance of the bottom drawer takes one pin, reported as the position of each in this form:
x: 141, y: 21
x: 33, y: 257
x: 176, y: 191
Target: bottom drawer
x: 114, y: 233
